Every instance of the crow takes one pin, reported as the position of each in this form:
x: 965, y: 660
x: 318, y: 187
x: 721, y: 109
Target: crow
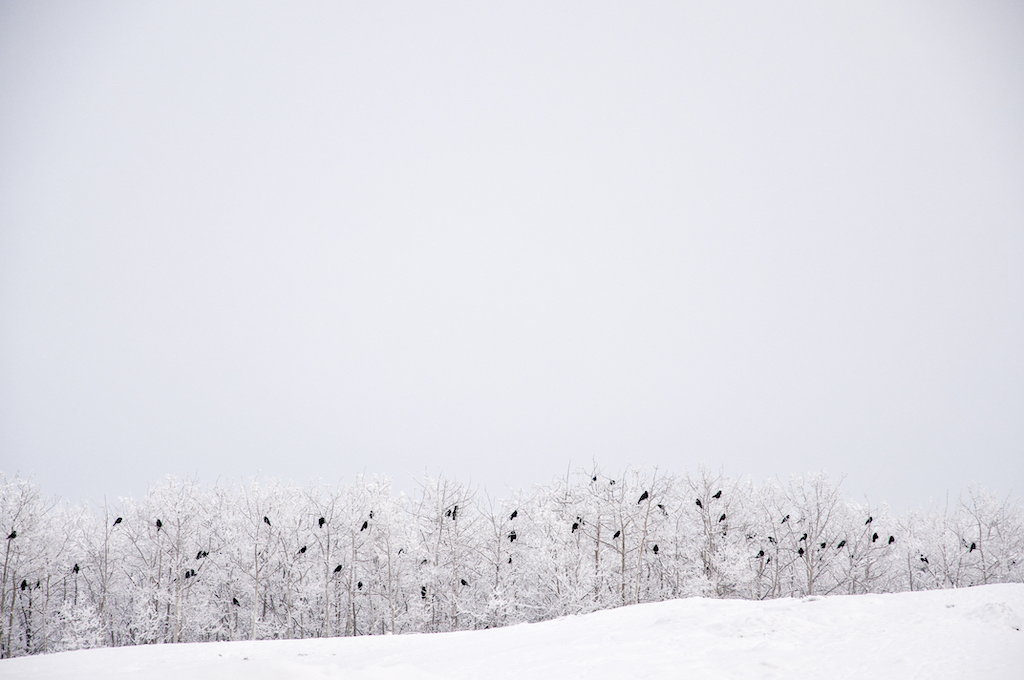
x: 643, y: 497
x: 874, y: 537
x: 510, y: 560
x: 515, y: 513
x: 841, y: 544
x: 371, y: 514
x: 722, y: 518
x: 617, y: 534
x: 365, y: 524
x: 611, y: 481
x: 512, y: 536
x: 655, y: 548
x: 924, y: 559
x: 823, y: 545
x: 359, y: 585
x: 75, y: 568
x: 760, y: 553
x: 118, y: 521
x: 771, y: 539
x: 803, y: 538
x: 463, y: 582
x: 892, y: 539
x: 13, y: 535
x: 718, y: 494
x: 784, y: 519
x: 972, y: 547
x: 188, y: 573
x: 321, y: 522
x: 699, y: 504
x: 423, y: 592
x: 199, y: 555
x: 594, y: 479
x: 337, y: 569
x: 455, y: 511
x: 662, y: 508
x: 159, y: 525
x: 267, y: 520
x: 302, y: 550
x: 800, y: 552
x: 448, y: 512
x: 768, y: 560
x: 24, y: 584
x: 575, y: 526
x: 870, y: 520
x: 234, y: 601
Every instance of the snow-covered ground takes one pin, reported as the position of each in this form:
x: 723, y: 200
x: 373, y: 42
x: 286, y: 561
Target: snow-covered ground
x: 966, y: 633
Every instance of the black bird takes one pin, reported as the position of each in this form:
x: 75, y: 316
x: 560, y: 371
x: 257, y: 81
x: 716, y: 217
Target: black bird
x: 512, y: 536
x: 924, y: 559
x: 117, y: 521
x: 803, y: 538
x: 800, y: 552
x: 699, y: 504
x: 892, y: 539
x: 455, y: 511
x: 611, y: 481
x: 617, y: 534
x: 24, y: 584
x: 423, y: 592
x: 365, y: 524
x: 267, y: 520
x: 159, y: 525
x: 661, y: 507
x: 870, y: 519
x: 515, y: 513
x: 655, y: 548
x: 188, y: 573
x: 643, y: 497
x: 768, y: 560
x: 841, y: 544
x: 13, y: 535
x: 972, y: 547
x: 823, y: 545
x: 199, y: 555
x: 371, y: 514
x: 302, y: 550
x: 234, y: 601
x: 510, y: 560
x: 760, y: 553
x: 337, y: 569
x: 321, y: 522
x: 784, y: 519
x: 722, y: 518
x: 771, y: 539
x: 359, y: 585
x: 463, y: 582
x: 718, y: 494
x: 575, y: 526
x: 75, y: 568
x: 874, y: 537
x: 594, y: 479
x: 448, y: 512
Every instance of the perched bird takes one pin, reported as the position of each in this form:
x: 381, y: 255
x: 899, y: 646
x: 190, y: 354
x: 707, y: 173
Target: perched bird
x: 365, y: 524
x: 655, y: 548
x: 359, y: 585
x: 75, y: 568
x: 302, y: 550
x: 874, y: 537
x: 662, y: 508
x: 643, y: 497
x: 722, y: 518
x: 267, y: 520
x: 321, y: 522
x: 512, y: 536
x: 870, y: 520
x: 767, y: 561
x: 575, y: 526
x: 159, y: 525
x: 13, y: 535
x: 117, y: 521
x: 823, y: 545
x: 760, y: 553
x: 510, y: 560
x: 199, y: 555
x: 784, y: 519
x: 188, y: 573
x: 617, y: 534
x: 371, y: 514
x: 718, y: 494
x: 924, y: 559
x: 699, y: 504
x: 337, y: 569
x: 892, y: 539
x: 24, y: 584
x: 423, y: 592
x: 455, y: 511
x: 234, y: 601
x: 841, y: 544
x: 594, y: 479
x: 515, y: 513
x: 800, y: 552
x: 771, y: 539
x: 463, y: 582
x: 803, y: 538
x: 611, y: 481
x: 973, y: 547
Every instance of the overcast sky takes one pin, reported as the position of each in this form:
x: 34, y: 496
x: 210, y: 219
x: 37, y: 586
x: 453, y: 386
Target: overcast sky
x: 497, y: 239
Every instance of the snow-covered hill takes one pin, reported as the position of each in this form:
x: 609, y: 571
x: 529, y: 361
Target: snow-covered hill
x: 966, y: 633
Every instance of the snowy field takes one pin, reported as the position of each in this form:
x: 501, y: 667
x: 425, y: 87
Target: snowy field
x: 965, y: 633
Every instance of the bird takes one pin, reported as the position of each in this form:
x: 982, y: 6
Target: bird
x: 973, y: 547
x: 823, y: 545
x: 617, y: 534
x: 841, y: 544
x: 892, y: 539
x: 75, y: 568
x: 512, y: 536
x: 117, y: 521
x: 718, y: 494
x: 699, y: 504
x: 13, y: 535
x: 515, y: 513
x: 359, y: 585
x: 924, y: 559
x: 267, y: 520
x: 463, y: 582
x: 662, y: 508
x: 768, y: 560
x: 655, y: 548
x: 722, y: 518
x: 365, y: 524
x: 771, y: 539
x: 159, y: 525
x: 594, y: 479
x: 643, y: 497
x: 803, y: 538
x: 800, y: 552
x: 870, y: 519
x: 199, y: 555
x: 510, y: 560
x: 784, y: 519
x: 371, y: 514
x: 611, y: 481
x: 302, y: 550
x: 760, y: 553
x: 24, y: 584
x: 337, y: 569
x: 575, y: 526
x: 321, y: 522
x: 455, y: 511
x: 874, y: 537
x: 423, y: 592
x: 188, y: 573
x: 234, y: 601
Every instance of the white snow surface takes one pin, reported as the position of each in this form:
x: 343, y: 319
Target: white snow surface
x: 965, y: 633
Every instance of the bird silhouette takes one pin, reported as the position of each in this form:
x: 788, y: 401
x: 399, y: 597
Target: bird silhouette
x: 24, y: 584
x: 117, y: 521
x: 760, y: 553
x: 337, y: 569
x: 823, y: 545
x: 892, y: 539
x: 699, y: 504
x: 159, y: 525
x: 75, y: 568
x: 512, y: 536
x: 870, y: 520
x: 234, y: 601
x: 655, y: 548
x: 841, y: 544
x: 463, y: 582
x: 321, y: 522
x: 515, y: 513
x: 510, y: 560
x: 267, y: 520
x: 771, y: 539
x: 423, y: 592
x: 13, y: 535
x: 803, y: 538
x: 784, y: 519
x: 973, y: 547
x: 874, y: 537
x: 455, y: 511
x: 302, y: 550
x: 365, y: 524
x: 643, y: 497
x: 800, y: 552
x: 359, y: 585
x: 718, y: 494
x: 924, y: 559
x: 575, y: 526
x: 617, y: 534
x: 722, y: 518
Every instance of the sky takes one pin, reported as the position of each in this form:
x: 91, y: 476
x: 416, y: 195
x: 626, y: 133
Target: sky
x: 500, y: 241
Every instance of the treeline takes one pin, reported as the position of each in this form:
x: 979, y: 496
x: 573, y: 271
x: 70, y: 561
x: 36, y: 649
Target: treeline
x: 264, y: 560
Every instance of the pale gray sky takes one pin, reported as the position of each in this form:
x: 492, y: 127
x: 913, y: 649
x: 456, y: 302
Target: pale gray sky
x: 316, y: 239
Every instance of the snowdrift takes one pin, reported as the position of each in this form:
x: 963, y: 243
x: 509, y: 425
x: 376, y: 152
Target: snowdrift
x: 966, y: 633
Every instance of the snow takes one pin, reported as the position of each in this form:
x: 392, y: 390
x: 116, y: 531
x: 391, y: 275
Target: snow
x: 965, y: 633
